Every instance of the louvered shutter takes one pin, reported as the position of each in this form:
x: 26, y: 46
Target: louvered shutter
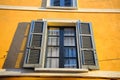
x: 34, y: 44
x: 87, y: 51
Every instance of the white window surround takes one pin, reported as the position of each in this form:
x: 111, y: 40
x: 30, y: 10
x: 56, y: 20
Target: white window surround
x: 74, y: 5
x: 65, y: 70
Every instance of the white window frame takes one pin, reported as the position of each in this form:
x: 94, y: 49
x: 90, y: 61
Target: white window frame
x: 74, y: 5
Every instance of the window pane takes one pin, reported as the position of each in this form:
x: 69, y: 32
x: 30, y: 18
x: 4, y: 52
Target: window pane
x: 69, y: 41
x: 67, y: 3
x: 86, y: 42
x: 88, y: 57
x: 52, y: 63
x: 33, y: 56
x: 53, y: 52
x: 70, y: 63
x: 53, y: 31
x: 56, y: 2
x: 36, y: 40
x: 85, y: 28
x: 67, y: 46
x: 70, y: 52
x: 54, y: 41
x: 38, y: 27
x: 69, y: 31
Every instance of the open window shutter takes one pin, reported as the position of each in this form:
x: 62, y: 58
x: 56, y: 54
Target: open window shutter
x: 87, y: 51
x: 34, y: 44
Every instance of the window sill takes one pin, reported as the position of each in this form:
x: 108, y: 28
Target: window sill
x: 29, y: 73
x: 61, y: 70
x: 60, y: 7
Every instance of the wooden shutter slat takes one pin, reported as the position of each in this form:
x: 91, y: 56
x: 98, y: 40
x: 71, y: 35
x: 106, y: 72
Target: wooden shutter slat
x: 38, y: 27
x: 85, y: 29
x: 86, y: 42
x: 88, y: 57
x: 34, y: 56
x: 36, y: 41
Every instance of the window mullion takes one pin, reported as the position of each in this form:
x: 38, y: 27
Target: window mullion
x: 62, y: 2
x: 61, y: 55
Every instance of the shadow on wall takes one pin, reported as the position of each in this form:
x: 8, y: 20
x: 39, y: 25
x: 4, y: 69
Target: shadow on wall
x: 15, y: 54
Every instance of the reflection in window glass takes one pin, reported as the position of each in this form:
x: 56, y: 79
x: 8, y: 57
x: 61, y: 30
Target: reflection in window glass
x: 53, y: 31
x: 68, y: 3
x: 56, y: 2
x: 65, y: 3
x: 52, y: 63
x: 69, y: 32
x: 70, y: 52
x: 54, y: 41
x: 53, y: 52
x: 69, y: 41
x: 70, y: 63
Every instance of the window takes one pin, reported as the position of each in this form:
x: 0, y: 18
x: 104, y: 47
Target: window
x: 65, y: 4
x: 61, y: 48
x: 69, y: 47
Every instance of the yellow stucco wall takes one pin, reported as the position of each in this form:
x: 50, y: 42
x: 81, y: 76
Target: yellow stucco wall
x: 106, y: 32
x: 106, y: 27
x: 81, y: 3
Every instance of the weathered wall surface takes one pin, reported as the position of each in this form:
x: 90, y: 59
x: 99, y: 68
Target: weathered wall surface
x: 105, y: 26
x: 81, y: 3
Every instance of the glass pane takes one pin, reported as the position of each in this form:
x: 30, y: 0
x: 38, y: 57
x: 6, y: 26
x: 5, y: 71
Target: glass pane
x: 69, y: 31
x: 67, y: 3
x: 38, y: 27
x: 52, y: 63
x: 70, y: 63
x: 34, y: 56
x: 69, y: 41
x: 53, y: 41
x: 56, y: 2
x: 70, y: 52
x: 85, y: 28
x: 86, y: 42
x: 53, y: 31
x: 36, y: 40
x: 88, y: 57
x: 53, y: 52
